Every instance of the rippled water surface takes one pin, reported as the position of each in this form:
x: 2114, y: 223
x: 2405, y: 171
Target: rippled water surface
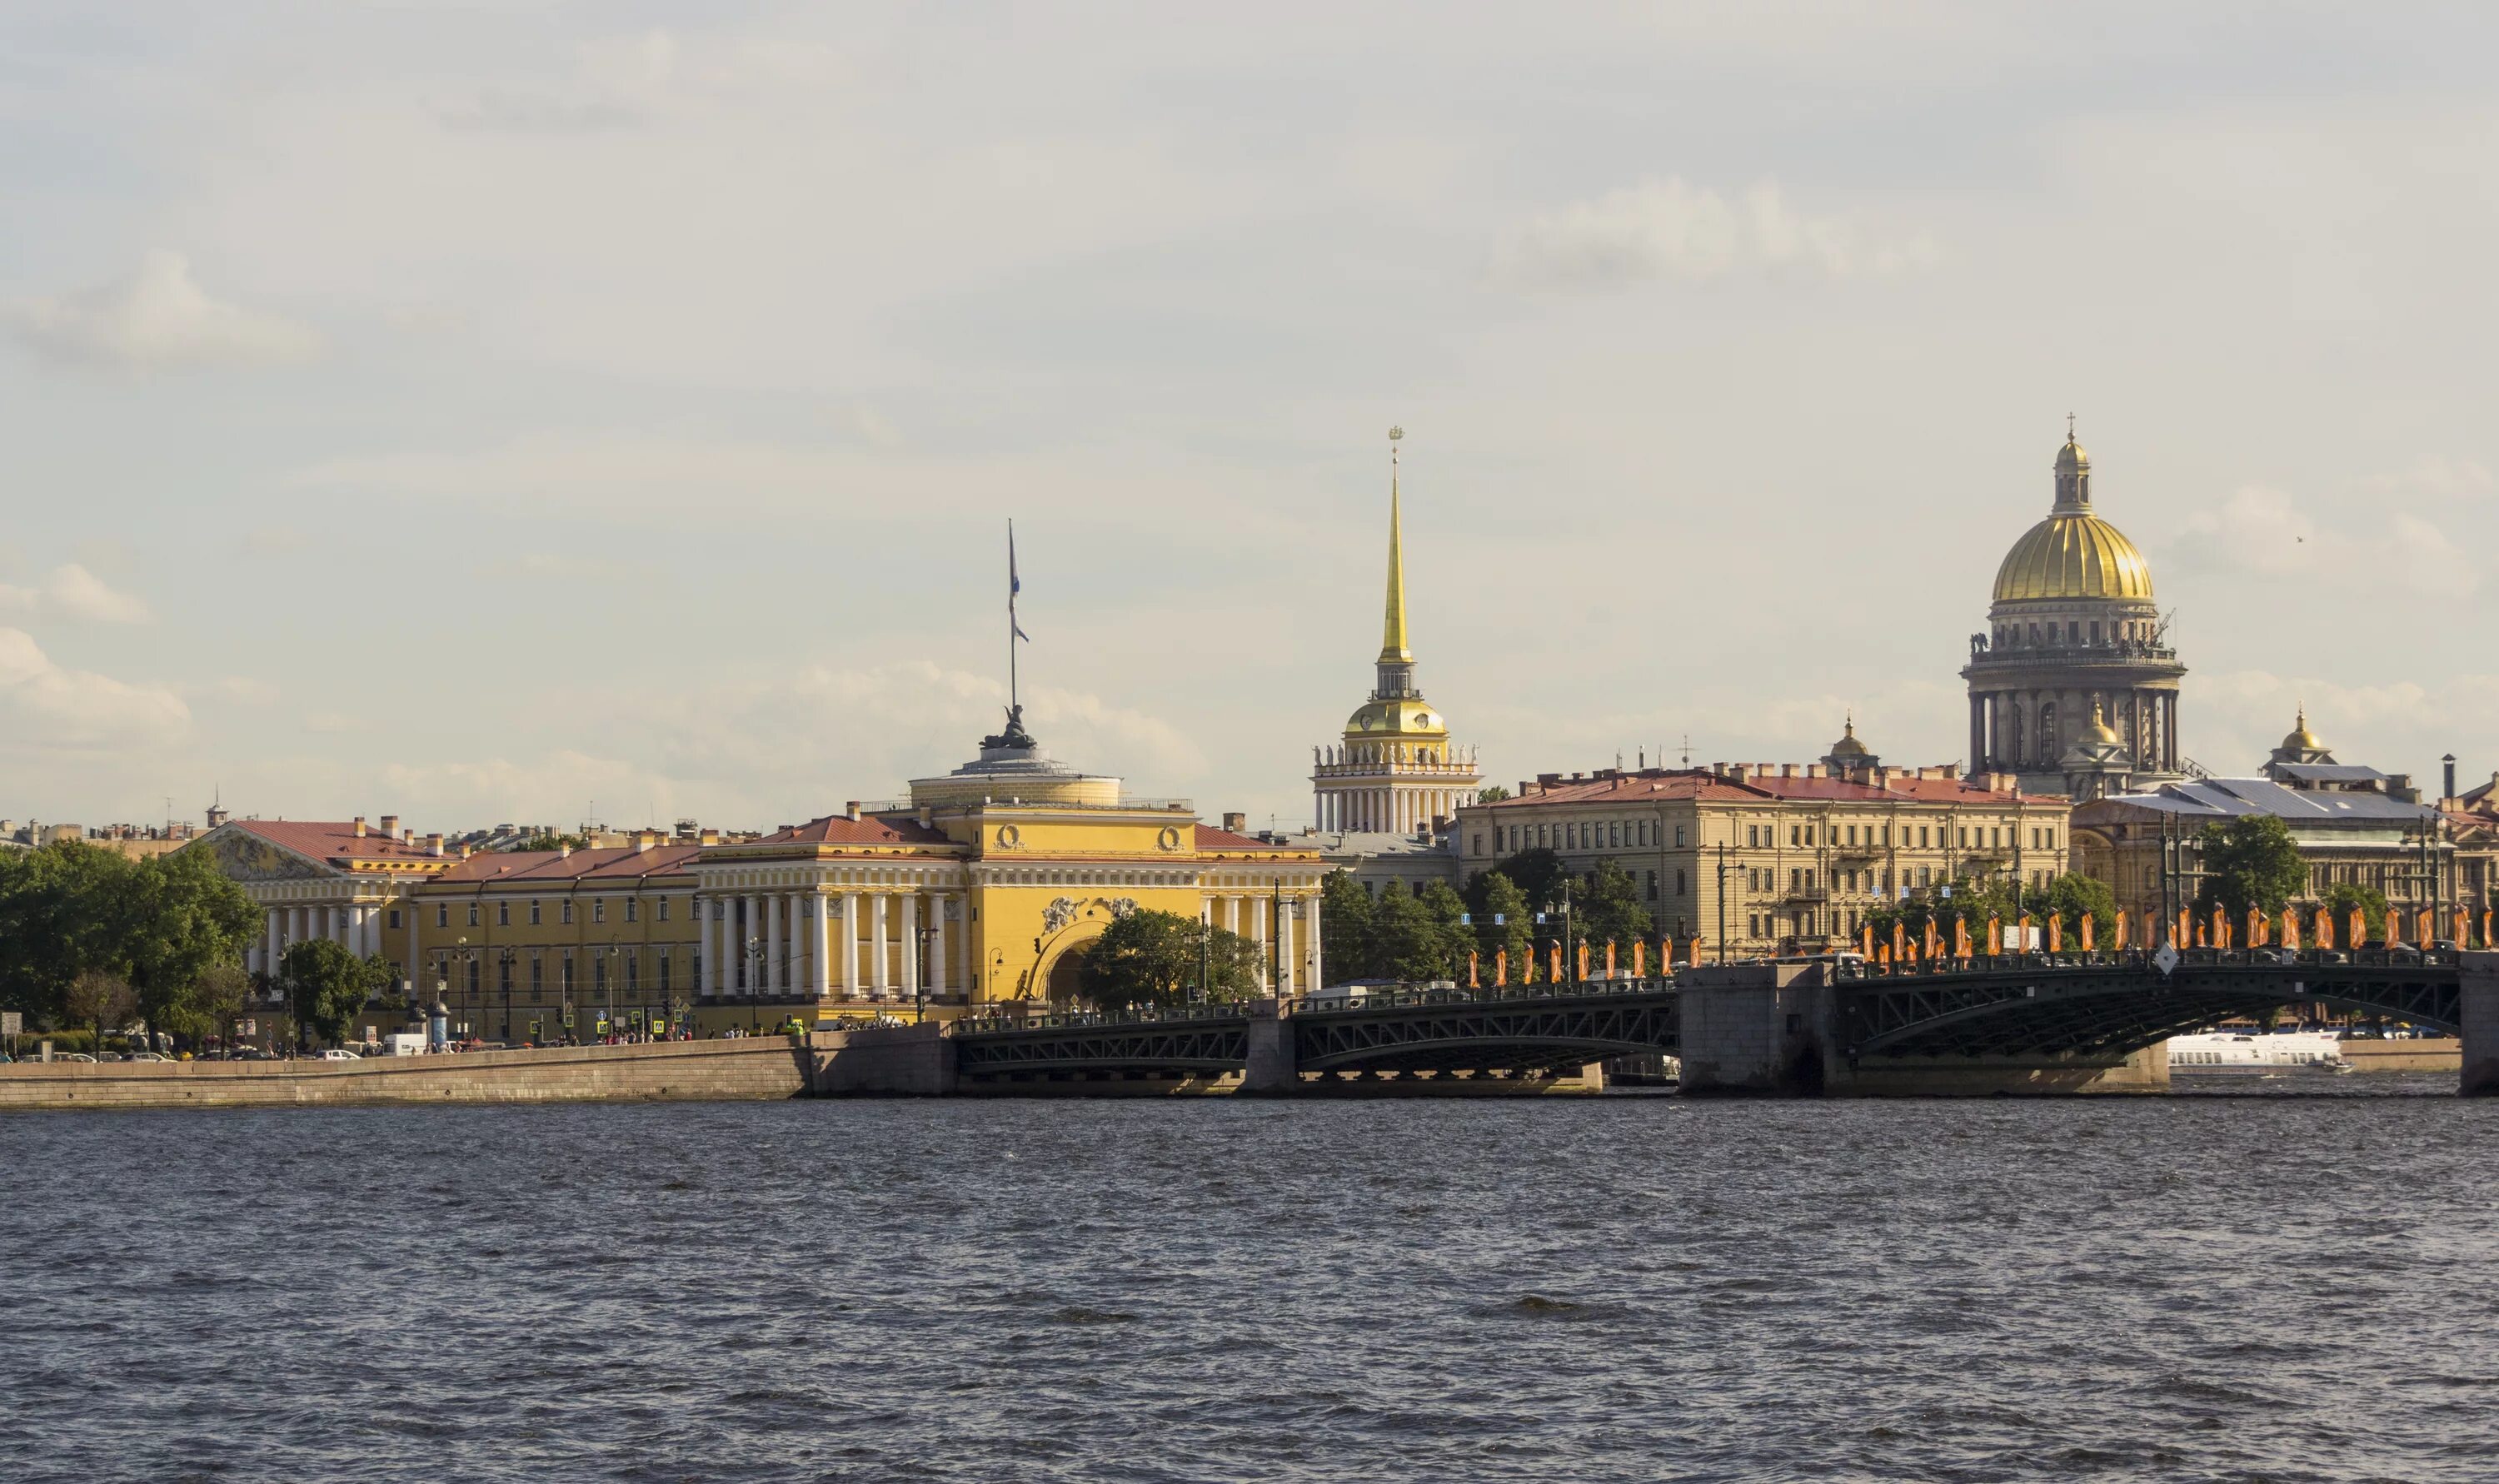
x: 2225, y: 1287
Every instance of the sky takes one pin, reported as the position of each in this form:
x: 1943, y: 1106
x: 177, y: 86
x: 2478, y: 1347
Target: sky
x: 511, y: 412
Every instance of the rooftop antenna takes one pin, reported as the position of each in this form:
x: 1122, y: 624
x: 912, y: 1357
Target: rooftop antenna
x: 1687, y: 749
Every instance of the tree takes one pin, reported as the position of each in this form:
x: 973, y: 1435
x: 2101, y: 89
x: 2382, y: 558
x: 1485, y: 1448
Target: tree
x: 1504, y: 921
x: 1345, y: 911
x: 97, y: 998
x: 2344, y: 895
x: 180, y: 918
x: 56, y: 922
x: 211, y: 1005
x: 2073, y: 896
x: 1613, y: 911
x: 1491, y: 793
x: 1538, y: 873
x: 1158, y: 959
x: 328, y: 985
x: 546, y: 840
x: 2250, y: 861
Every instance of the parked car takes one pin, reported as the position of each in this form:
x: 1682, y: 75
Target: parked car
x: 72, y: 1056
x: 336, y: 1053
x: 146, y: 1056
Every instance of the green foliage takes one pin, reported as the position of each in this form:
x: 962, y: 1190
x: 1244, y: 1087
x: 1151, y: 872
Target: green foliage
x: 158, y: 924
x: 98, y: 998
x: 553, y: 842
x: 2250, y: 861
x: 1418, y: 937
x: 1491, y: 793
x: 1161, y: 960
x: 327, y: 986
x: 2344, y: 895
x: 1538, y: 873
x: 1490, y: 895
x: 1611, y: 911
x: 209, y: 1008
x: 1346, y: 913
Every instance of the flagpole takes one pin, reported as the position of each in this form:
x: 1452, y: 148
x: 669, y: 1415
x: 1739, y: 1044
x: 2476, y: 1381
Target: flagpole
x: 1011, y: 619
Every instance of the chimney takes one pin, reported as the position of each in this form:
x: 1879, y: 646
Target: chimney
x: 927, y: 814
x: 467, y: 851
x: 851, y: 809
x: 708, y: 837
x: 1787, y: 770
x: 644, y: 841
x: 1235, y: 821
x: 563, y: 851
x: 2450, y: 761
x: 390, y: 826
x: 433, y: 844
x: 360, y: 826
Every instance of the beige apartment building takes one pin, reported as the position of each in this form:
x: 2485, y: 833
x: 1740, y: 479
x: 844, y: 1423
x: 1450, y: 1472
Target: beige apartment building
x: 1749, y: 859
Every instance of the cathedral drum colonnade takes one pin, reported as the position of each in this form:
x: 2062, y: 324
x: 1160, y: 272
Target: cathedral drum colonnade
x: 2074, y: 687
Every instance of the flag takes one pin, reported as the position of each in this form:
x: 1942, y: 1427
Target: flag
x: 1015, y: 585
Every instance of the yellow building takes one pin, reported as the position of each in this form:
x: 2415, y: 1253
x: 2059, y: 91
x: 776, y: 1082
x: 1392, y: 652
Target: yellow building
x: 988, y: 885
x: 1395, y: 770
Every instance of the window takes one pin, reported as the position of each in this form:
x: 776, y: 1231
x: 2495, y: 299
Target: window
x: 632, y: 972
x: 567, y: 974
x: 503, y: 913
x: 473, y: 914
x: 1475, y: 847
x: 1808, y: 834
x: 504, y: 975
x: 473, y: 976
x: 538, y: 975
x: 598, y: 975
x: 564, y: 913
x: 632, y: 909
x: 599, y: 909
x: 1652, y: 886
x: 1756, y: 924
x: 393, y: 917
x: 535, y: 918
x: 664, y: 909
x: 1796, y: 879
x: 442, y: 914
x: 1852, y: 834
x: 1796, y: 834
x: 1678, y: 834
x: 1678, y: 883
x: 1921, y: 837
x: 663, y: 962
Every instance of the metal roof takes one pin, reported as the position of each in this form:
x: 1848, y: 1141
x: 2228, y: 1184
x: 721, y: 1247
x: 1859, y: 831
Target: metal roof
x: 2228, y: 797
x: 2329, y: 772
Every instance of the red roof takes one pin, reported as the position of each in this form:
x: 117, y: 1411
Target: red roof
x: 607, y: 864
x: 866, y: 829
x: 336, y: 842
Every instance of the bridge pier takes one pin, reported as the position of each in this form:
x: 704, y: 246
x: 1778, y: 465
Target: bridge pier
x: 2477, y: 1010
x: 1271, y: 1067
x: 883, y: 1061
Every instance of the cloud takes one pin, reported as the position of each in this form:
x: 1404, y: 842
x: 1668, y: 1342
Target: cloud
x: 45, y: 708
x: 2394, y: 725
x: 2432, y: 474
x: 276, y: 540
x: 75, y: 593
x: 157, y: 318
x: 1670, y: 230
x: 2259, y: 531
x: 333, y: 724
x: 562, y: 785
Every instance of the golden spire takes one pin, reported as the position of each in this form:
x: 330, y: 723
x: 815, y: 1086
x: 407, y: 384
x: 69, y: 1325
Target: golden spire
x: 1393, y: 633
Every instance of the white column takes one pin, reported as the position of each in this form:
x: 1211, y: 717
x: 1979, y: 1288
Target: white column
x: 1258, y: 935
x: 880, y: 965
x: 939, y: 979
x: 800, y: 975
x: 910, y: 943
x: 850, y: 946
x: 747, y: 964
x: 709, y: 908
x: 276, y: 944
x: 772, y: 944
x: 1319, y: 974
x: 415, y: 970
x: 373, y: 932
x: 820, y: 972
x: 1285, y: 949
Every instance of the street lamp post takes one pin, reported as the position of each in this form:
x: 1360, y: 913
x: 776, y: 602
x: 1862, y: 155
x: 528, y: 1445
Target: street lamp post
x: 503, y: 972
x: 755, y: 982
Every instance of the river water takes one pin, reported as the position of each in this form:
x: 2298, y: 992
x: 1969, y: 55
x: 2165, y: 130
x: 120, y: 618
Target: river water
x: 2240, y: 1286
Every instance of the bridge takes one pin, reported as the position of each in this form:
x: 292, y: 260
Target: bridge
x: 2014, y: 1022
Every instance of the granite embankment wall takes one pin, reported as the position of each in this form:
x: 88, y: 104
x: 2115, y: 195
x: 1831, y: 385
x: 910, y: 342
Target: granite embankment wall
x: 2429, y: 1054
x: 754, y: 1068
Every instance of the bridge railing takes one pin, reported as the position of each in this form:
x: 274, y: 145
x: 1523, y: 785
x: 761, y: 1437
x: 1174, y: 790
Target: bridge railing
x: 988, y: 1022
x: 2376, y: 956
x: 1388, y: 999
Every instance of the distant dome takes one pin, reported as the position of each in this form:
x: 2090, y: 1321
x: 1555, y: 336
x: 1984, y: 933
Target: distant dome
x: 1848, y: 746
x: 2073, y: 556
x: 2300, y: 739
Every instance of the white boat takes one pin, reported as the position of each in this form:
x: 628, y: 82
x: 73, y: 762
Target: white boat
x: 2255, y: 1052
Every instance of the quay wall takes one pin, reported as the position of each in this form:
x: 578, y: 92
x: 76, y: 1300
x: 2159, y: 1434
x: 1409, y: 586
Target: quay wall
x: 747, y: 1068
x: 2441, y: 1053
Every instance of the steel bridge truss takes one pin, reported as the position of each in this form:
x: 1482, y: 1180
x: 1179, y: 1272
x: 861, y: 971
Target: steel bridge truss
x: 2113, y: 1011
x: 1488, y: 1034
x: 1207, y: 1047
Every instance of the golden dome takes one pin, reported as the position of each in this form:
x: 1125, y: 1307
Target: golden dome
x: 1848, y: 746
x: 2073, y: 553
x: 2300, y: 738
x: 1401, y: 716
x: 2099, y: 730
